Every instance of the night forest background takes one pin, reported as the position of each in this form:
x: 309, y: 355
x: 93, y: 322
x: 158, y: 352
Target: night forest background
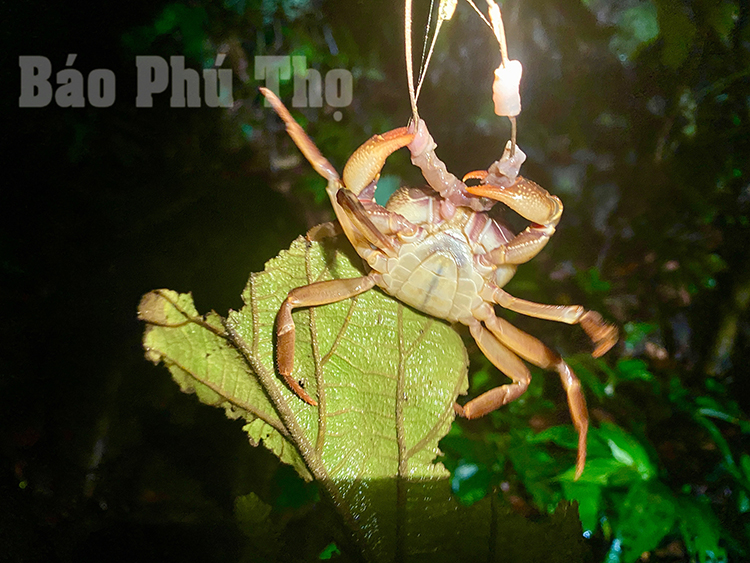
x: 636, y: 114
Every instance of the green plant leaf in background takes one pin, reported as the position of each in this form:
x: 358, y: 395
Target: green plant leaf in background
x: 187, y: 21
x: 700, y: 530
x: 621, y: 480
x: 678, y: 32
x: 647, y: 514
x: 636, y: 27
x: 385, y: 378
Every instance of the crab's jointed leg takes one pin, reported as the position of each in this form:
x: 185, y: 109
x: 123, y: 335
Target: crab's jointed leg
x: 602, y: 334
x: 361, y: 170
x: 330, y: 291
x: 361, y: 221
x: 534, y: 351
x: 323, y: 231
x: 319, y: 293
x: 362, y: 167
x: 544, y: 210
x: 300, y: 138
x: 504, y: 360
x: 451, y: 188
x: 502, y: 342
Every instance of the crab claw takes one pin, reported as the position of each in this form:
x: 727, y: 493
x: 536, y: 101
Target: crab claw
x: 526, y: 198
x: 365, y: 164
x: 475, y: 175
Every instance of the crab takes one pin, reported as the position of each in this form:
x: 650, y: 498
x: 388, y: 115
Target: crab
x: 437, y: 250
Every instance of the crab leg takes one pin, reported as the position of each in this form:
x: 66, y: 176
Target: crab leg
x: 602, y: 334
x: 300, y: 138
x: 534, y: 351
x: 362, y: 167
x: 504, y: 360
x: 510, y: 340
x: 388, y: 222
x: 361, y: 170
x: 359, y: 218
x: 452, y: 189
x: 318, y: 293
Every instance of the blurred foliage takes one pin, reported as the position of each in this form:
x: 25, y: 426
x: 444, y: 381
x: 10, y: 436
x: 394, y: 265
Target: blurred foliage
x: 636, y: 113
x: 627, y: 498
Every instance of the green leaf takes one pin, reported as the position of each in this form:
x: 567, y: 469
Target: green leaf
x: 254, y: 520
x: 187, y: 23
x: 330, y: 551
x: 470, y: 482
x: 723, y: 16
x: 637, y: 27
x: 589, y: 498
x: 585, y: 367
x: 250, y: 511
x: 678, y: 31
x: 203, y: 360
x: 615, y: 457
x: 564, y: 436
x: 627, y: 450
x: 385, y: 377
x: 636, y: 333
x: 745, y: 465
x: 633, y: 369
x: 591, y: 282
x: 727, y: 411
x: 700, y: 530
x: 646, y: 515
x: 536, y: 468
x: 601, y: 471
x: 743, y: 502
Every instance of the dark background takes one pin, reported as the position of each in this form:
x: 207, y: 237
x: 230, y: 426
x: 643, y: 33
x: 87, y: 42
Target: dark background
x: 101, y: 457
